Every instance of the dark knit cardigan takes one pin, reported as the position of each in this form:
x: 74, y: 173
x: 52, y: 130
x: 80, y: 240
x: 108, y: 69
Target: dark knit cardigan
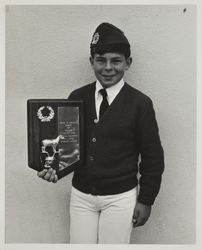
x: 124, y: 142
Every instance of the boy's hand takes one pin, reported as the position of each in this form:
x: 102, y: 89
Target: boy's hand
x: 141, y: 214
x: 48, y: 175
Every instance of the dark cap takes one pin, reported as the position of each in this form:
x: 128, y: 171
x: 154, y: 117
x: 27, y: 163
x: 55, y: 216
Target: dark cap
x: 107, y: 34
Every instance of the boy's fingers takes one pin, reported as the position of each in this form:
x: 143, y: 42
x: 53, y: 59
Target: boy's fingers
x: 42, y: 173
x: 48, y: 174
x: 56, y: 179
x: 53, y: 175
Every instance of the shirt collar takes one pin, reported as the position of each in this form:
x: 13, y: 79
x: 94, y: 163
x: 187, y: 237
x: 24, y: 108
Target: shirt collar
x: 111, y: 91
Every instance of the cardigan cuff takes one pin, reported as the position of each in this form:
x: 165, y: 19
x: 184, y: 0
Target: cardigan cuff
x: 146, y: 200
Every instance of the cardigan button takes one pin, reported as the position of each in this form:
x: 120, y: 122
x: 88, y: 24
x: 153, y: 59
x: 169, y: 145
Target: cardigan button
x: 91, y: 158
x: 94, y: 139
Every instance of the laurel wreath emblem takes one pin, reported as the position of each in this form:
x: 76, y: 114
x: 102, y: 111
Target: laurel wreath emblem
x: 45, y: 118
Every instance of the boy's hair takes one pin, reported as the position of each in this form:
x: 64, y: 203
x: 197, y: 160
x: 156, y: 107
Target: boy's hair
x: 122, y: 49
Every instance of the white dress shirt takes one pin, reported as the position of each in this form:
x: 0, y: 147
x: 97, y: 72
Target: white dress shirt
x: 112, y: 92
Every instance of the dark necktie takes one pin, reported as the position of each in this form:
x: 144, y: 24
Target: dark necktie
x: 104, y: 105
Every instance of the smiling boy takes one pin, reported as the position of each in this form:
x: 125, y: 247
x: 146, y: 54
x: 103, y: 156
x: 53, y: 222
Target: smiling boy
x: 120, y: 127
x: 109, y: 68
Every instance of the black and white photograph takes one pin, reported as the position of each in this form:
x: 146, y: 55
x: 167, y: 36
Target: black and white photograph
x: 100, y: 124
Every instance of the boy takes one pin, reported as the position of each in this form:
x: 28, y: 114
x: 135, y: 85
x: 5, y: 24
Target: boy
x: 120, y: 126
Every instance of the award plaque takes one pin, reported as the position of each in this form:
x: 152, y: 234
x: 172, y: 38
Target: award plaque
x: 55, y: 135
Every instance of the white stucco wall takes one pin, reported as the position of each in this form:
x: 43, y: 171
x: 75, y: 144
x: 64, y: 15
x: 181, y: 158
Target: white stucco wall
x: 47, y: 50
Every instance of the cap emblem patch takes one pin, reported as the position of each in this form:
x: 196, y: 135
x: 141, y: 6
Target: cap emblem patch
x: 95, y: 38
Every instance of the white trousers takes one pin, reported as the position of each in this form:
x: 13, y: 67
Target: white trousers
x: 101, y: 219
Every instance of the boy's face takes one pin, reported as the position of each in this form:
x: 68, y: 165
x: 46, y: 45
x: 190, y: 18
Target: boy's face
x: 110, y: 67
